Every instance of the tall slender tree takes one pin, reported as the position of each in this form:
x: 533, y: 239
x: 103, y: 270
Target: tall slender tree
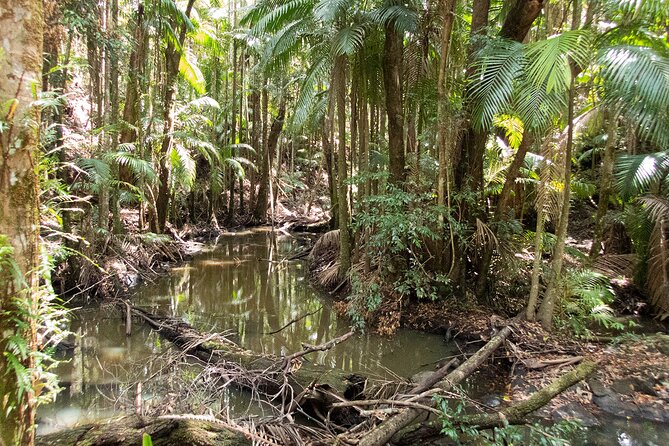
x: 20, y: 71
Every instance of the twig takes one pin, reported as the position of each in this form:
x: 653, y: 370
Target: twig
x: 317, y: 348
x: 413, y: 404
x: 297, y: 319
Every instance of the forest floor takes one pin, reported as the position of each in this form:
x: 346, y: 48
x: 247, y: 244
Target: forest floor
x: 632, y: 379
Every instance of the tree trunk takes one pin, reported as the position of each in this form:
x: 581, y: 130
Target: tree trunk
x: 172, y: 57
x: 444, y: 136
x: 605, y: 187
x: 531, y: 310
x: 512, y: 173
x: 136, y: 69
x: 392, y: 68
x: 20, y: 67
x: 342, y: 187
x: 260, y: 213
x: 242, y: 137
x: 233, y: 135
x: 548, y: 304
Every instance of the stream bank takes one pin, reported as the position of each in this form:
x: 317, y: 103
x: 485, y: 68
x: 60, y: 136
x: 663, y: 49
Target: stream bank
x: 244, y: 286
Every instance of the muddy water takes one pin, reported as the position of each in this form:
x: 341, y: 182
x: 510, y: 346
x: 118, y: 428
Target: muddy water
x: 243, y: 285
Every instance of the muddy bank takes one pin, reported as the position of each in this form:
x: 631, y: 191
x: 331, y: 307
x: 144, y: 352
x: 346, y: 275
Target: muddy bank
x: 631, y: 381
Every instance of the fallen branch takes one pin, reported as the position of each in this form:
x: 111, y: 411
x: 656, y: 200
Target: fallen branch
x: 318, y: 348
x: 403, y: 403
x: 543, y: 363
x: 517, y: 413
x: 265, y: 374
x: 381, y: 434
x: 297, y: 319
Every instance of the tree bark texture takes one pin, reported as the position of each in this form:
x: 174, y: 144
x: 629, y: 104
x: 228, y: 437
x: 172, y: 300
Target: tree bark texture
x: 392, y: 68
x: 20, y: 69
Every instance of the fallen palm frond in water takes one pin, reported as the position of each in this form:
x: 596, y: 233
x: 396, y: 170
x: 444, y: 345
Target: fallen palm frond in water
x: 342, y: 408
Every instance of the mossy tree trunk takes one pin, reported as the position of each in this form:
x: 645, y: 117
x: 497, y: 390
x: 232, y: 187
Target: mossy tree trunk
x: 20, y: 70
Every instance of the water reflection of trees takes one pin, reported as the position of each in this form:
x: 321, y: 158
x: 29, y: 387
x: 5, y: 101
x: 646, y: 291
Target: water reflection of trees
x: 244, y: 286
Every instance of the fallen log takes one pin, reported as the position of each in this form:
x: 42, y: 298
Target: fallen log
x: 296, y: 383
x: 381, y: 434
x: 129, y: 430
x: 514, y: 414
x: 517, y: 413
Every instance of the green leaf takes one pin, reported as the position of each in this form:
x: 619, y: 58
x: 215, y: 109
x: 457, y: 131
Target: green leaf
x: 191, y: 73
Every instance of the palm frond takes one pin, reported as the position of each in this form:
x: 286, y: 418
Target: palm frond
x: 329, y: 10
x: 183, y: 166
x: 404, y: 18
x: 657, y: 206
x: 191, y: 73
x: 636, y: 79
x: 348, y: 40
x: 140, y: 168
x: 635, y: 174
x: 276, y: 18
x: 308, y: 90
x: 549, y: 60
x: 97, y: 170
x: 496, y: 68
x: 658, y: 269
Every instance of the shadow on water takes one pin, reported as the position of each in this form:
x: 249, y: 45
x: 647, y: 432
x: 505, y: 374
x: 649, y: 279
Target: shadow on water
x: 243, y: 286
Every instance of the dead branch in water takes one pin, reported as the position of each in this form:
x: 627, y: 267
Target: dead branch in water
x: 385, y: 431
x: 515, y: 414
x: 344, y: 407
x: 297, y: 319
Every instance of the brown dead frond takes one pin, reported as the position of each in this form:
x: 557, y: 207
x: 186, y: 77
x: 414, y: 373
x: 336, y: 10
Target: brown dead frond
x: 484, y: 236
x: 329, y: 276
x: 613, y: 265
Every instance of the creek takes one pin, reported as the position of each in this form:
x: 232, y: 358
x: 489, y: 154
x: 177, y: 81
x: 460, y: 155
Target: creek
x: 242, y: 285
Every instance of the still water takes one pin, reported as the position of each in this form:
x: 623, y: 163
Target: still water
x: 244, y: 286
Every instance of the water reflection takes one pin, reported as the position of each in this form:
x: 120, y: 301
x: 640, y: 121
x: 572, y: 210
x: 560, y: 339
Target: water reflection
x: 246, y: 286
x: 243, y: 286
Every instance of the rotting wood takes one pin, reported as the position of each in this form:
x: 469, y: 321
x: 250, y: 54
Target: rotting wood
x: 128, y: 431
x: 266, y: 374
x: 515, y: 414
x: 385, y: 431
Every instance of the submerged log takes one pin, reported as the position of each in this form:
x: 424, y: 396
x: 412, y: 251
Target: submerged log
x: 311, y: 387
x: 386, y: 430
x: 128, y: 431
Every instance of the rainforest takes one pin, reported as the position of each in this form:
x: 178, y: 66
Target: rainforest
x: 334, y: 222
